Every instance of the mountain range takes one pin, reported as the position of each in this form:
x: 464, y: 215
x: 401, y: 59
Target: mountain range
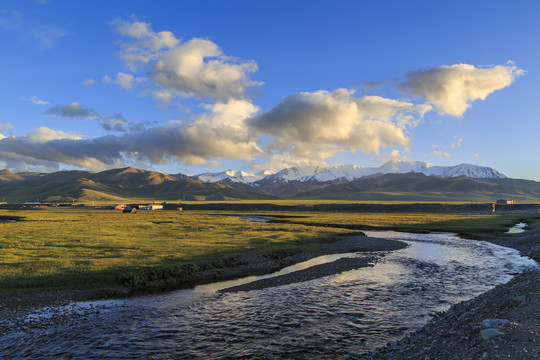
x: 400, y: 181
x: 352, y: 172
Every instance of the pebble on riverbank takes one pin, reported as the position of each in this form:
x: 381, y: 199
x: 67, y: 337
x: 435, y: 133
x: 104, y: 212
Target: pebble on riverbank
x: 503, y: 323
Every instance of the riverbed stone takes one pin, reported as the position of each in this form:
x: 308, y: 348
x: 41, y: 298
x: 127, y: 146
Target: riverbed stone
x: 494, y: 323
x: 488, y: 334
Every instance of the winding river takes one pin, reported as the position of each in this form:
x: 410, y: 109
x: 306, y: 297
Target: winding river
x: 332, y: 316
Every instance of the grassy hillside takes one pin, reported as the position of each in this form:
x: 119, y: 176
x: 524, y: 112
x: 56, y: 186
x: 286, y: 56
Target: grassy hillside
x: 130, y: 184
x: 418, y: 187
x: 115, y: 185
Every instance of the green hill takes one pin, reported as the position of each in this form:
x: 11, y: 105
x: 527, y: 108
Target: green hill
x: 419, y: 187
x: 130, y: 184
x: 118, y: 185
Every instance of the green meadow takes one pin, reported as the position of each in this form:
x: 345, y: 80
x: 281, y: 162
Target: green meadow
x: 82, y: 248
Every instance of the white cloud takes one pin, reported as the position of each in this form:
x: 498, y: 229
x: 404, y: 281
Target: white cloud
x: 396, y: 155
x: 73, y: 110
x: 88, y: 82
x: 220, y: 133
x: 197, y: 68
x: 47, y: 148
x: 451, y: 89
x: 476, y: 156
x: 3, y: 128
x: 44, y: 134
x: 145, y: 44
x: 125, y: 81
x: 457, y: 144
x: 35, y: 100
x: 438, y: 152
x: 314, y: 126
x: 163, y: 95
x: 106, y: 79
x: 371, y: 85
x: 116, y: 123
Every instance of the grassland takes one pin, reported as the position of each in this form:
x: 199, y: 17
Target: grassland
x: 77, y: 248
x: 474, y: 225
x: 57, y: 248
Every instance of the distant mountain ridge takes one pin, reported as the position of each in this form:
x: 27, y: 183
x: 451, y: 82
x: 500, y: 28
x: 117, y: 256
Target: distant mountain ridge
x: 234, y: 176
x: 114, y: 185
x: 353, y: 172
x: 398, y: 181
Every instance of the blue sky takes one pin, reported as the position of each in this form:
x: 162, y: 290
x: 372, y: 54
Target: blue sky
x: 194, y: 86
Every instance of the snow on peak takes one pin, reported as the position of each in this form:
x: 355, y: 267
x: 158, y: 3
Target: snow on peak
x: 234, y: 175
x: 472, y: 171
x: 399, y: 167
x: 351, y: 172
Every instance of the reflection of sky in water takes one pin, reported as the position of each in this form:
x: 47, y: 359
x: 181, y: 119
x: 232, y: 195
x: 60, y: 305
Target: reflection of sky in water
x: 516, y: 229
x: 328, y: 317
x: 287, y: 270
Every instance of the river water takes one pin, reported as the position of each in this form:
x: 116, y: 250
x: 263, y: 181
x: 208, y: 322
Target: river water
x: 330, y: 317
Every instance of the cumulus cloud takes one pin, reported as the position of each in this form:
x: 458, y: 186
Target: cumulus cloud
x: 163, y: 95
x: 438, y: 152
x: 145, y: 44
x: 35, y: 100
x: 196, y: 68
x: 125, y: 81
x: 396, y: 155
x: 221, y: 133
x: 457, y: 143
x: 314, y: 126
x: 116, y: 123
x: 73, y: 110
x: 371, y: 85
x: 3, y: 129
x: 38, y: 149
x: 88, y: 82
x: 451, y: 89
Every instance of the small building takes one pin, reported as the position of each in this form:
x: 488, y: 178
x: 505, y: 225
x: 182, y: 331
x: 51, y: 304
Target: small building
x: 129, y: 209
x: 119, y: 207
x: 152, y: 207
x: 505, y: 202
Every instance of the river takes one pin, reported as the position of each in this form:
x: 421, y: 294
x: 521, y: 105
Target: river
x: 330, y: 317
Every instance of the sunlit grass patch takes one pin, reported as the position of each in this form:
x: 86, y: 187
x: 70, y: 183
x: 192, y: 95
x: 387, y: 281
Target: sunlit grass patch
x: 76, y: 247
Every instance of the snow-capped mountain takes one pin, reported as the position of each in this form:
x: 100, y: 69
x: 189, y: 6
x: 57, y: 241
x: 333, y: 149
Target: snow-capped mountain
x: 352, y: 172
x: 234, y: 176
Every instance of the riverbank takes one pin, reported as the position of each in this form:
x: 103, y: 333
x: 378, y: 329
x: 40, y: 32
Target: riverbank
x: 14, y: 308
x: 503, y: 323
x: 455, y: 334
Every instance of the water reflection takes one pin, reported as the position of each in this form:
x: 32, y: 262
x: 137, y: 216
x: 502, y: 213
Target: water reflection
x: 516, y: 229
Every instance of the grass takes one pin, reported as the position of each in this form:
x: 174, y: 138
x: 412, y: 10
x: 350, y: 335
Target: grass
x: 80, y: 248
x: 62, y: 248
x: 477, y: 226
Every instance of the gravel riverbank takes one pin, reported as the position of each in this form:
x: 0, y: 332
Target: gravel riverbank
x: 503, y: 323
